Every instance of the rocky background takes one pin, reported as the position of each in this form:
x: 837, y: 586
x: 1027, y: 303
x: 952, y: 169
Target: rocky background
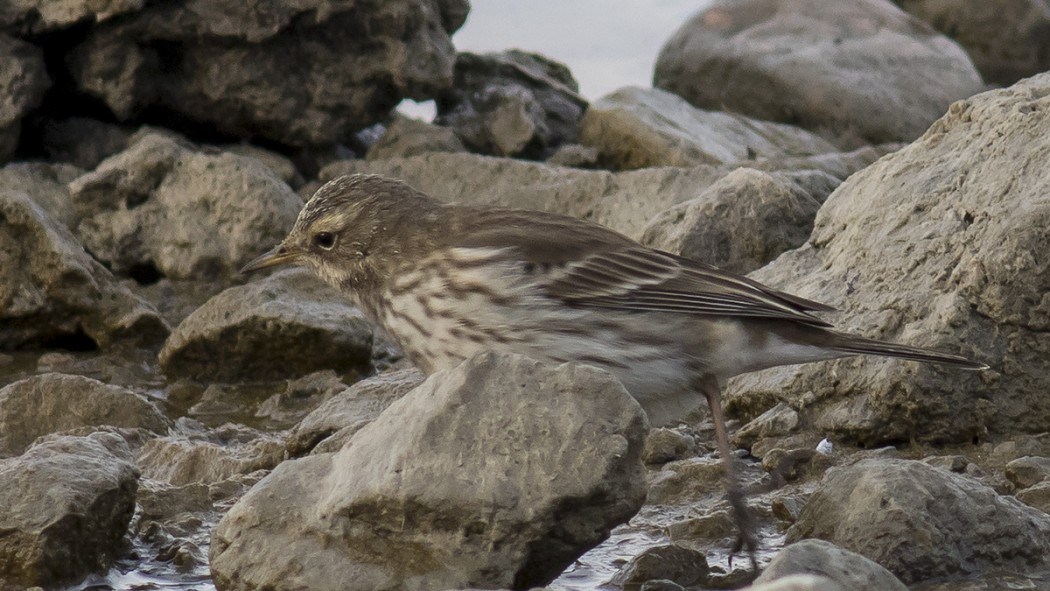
x: 164, y: 423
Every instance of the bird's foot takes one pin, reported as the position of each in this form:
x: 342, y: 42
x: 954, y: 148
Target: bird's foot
x: 746, y: 539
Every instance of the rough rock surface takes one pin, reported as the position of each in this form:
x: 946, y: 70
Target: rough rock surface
x: 286, y: 325
x: 1007, y: 40
x: 932, y: 246
x: 23, y: 81
x: 818, y: 557
x: 40, y: 16
x: 54, y: 293
x: 185, y: 213
x: 684, y: 566
x: 799, y: 583
x: 740, y: 222
x: 53, y: 402
x: 497, y: 473
x: 854, y: 72
x: 188, y: 459
x: 512, y: 103
x: 406, y: 137
x: 643, y: 127
x: 240, y: 67
x: 64, y: 507
x: 1028, y: 470
x: 922, y: 522
x: 45, y: 184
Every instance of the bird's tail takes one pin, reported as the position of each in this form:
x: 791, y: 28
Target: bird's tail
x: 862, y: 346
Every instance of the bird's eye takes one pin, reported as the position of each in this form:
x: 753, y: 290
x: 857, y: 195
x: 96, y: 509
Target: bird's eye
x: 325, y: 240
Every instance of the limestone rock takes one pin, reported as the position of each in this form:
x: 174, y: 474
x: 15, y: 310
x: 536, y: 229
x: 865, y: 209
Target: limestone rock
x: 497, y: 474
x: 286, y: 325
x: 182, y: 459
x: 45, y: 184
x: 407, y: 137
x: 642, y: 127
x: 41, y: 16
x: 817, y: 557
x: 854, y: 72
x: 779, y: 420
x: 679, y: 564
x: 23, y: 81
x: 1028, y: 470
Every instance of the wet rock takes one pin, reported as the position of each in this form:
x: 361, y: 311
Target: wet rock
x: 739, y: 223
x: 497, y: 473
x: 713, y: 527
x: 680, y: 565
x: 779, y: 420
x: 185, y: 459
x: 64, y: 507
x: 642, y: 127
x: 818, y: 557
x: 686, y: 480
x: 407, y: 137
x: 286, y: 325
x: 81, y: 141
x: 805, y: 582
x: 799, y: 62
x: 1037, y: 495
x: 40, y: 16
x: 944, y: 261
x: 920, y: 522
x: 1028, y: 471
x: 164, y: 501
x: 53, y: 294
x: 665, y: 445
x: 344, y: 414
x: 45, y: 184
x: 511, y: 103
x: 53, y: 402
x: 185, y: 213
x: 23, y: 82
x: 237, y: 68
x: 1007, y: 40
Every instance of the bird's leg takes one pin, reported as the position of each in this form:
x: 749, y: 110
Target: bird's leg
x: 737, y: 499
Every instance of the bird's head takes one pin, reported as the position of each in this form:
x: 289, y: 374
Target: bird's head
x: 351, y: 225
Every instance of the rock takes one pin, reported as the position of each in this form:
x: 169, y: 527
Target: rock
x: 1037, y: 495
x: 511, y: 103
x: 407, y: 137
x: 957, y: 464
x: 678, y: 564
x: 715, y: 526
x: 347, y: 412
x: 944, y: 261
x: 163, y: 501
x: 41, y: 16
x: 182, y: 460
x: 301, y: 397
x: 801, y: 62
x: 1028, y: 471
x: 53, y: 294
x: 643, y: 127
x: 921, y: 522
x: 64, y: 507
x: 665, y: 445
x: 1007, y: 40
x: 779, y: 420
x: 187, y: 214
x: 686, y: 480
x: 45, y: 184
x: 788, y: 465
x: 238, y: 68
x: 804, y: 582
x: 497, y: 473
x: 82, y: 142
x: 1018, y: 447
x: 739, y: 223
x: 817, y: 557
x: 23, y: 82
x: 283, y: 167
x: 574, y: 155
x: 284, y: 326
x: 52, y: 402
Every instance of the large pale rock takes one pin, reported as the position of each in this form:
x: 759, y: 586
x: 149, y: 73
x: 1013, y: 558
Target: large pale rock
x: 818, y: 557
x: 854, y: 72
x: 922, y: 522
x: 40, y: 16
x: 64, y: 507
x: 52, y: 293
x: 495, y: 474
x: 190, y: 214
x: 1006, y: 39
x: 934, y: 245
x: 240, y: 67
x: 53, y: 402
x: 286, y: 325
x: 641, y: 127
x: 23, y: 81
x: 741, y: 222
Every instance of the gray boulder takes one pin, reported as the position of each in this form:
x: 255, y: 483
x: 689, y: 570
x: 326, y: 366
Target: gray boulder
x: 64, y: 507
x: 642, y: 127
x: 922, y: 522
x: 190, y: 214
x: 23, y: 82
x: 854, y: 72
x: 286, y: 325
x: 1027, y: 471
x: 817, y: 557
x: 497, y: 474
x: 52, y: 402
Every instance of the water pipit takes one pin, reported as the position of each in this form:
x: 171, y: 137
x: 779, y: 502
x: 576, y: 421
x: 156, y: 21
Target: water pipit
x: 449, y: 281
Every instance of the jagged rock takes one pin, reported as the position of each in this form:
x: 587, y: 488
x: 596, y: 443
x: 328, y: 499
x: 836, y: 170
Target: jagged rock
x: 183, y: 459
x: 23, y: 82
x: 497, y: 473
x: 802, y: 62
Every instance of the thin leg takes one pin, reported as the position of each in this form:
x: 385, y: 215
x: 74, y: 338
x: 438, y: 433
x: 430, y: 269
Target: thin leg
x: 737, y: 499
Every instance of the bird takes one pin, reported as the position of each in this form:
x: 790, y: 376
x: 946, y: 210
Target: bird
x: 447, y: 281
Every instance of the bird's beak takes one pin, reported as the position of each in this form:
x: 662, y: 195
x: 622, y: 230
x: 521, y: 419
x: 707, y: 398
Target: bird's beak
x: 280, y: 255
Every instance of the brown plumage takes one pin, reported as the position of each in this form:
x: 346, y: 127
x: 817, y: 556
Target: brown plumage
x: 449, y: 281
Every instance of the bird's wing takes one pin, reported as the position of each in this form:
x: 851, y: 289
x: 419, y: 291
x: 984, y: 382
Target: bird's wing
x: 585, y: 264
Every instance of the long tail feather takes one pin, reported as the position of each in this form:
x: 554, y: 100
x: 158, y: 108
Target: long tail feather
x: 863, y: 346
